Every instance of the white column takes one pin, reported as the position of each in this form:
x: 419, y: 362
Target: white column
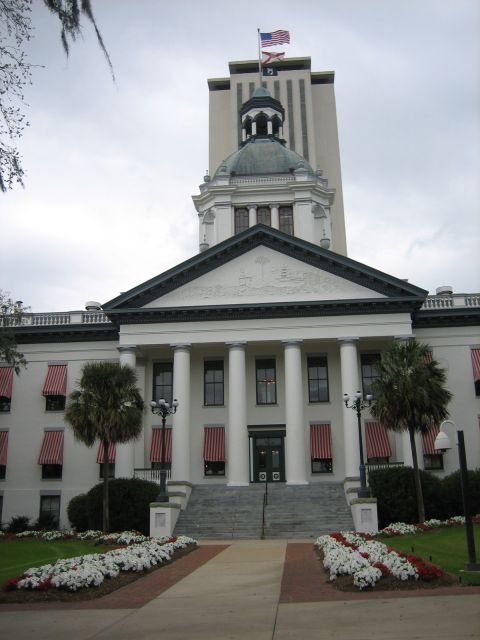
x: 350, y: 384
x: 181, y: 419
x: 124, y: 457
x: 295, y: 453
x: 275, y: 219
x: 252, y: 215
x: 269, y: 127
x: 237, y: 434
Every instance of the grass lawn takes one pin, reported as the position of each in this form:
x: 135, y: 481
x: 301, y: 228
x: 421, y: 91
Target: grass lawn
x: 17, y: 556
x: 447, y: 548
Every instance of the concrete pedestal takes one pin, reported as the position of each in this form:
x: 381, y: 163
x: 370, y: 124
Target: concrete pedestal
x: 163, y: 518
x: 365, y: 516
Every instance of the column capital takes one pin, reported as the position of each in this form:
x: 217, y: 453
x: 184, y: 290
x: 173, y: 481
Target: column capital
x: 275, y: 204
x: 181, y: 345
x: 128, y: 348
x: 252, y: 207
x: 292, y: 341
x: 237, y: 343
x: 348, y: 340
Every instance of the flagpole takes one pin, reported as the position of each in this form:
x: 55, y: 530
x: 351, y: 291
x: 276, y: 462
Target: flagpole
x: 259, y: 61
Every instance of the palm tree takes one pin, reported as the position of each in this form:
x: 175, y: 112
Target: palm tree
x: 107, y: 407
x: 410, y: 396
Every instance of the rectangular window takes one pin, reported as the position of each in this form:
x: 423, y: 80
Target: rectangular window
x: 50, y: 507
x: 433, y: 461
x: 52, y: 471
x: 285, y: 218
x: 475, y: 353
x: 214, y: 468
x: 55, y: 387
x: 3, y: 472
x: 111, y: 470
x: 163, y: 381
x: 317, y: 379
x: 322, y: 465
x: 213, y: 382
x: 264, y: 216
x: 266, y: 381
x: 6, y: 385
x: 241, y: 220
x: 158, y: 465
x: 321, y: 447
x: 369, y: 371
x: 54, y: 403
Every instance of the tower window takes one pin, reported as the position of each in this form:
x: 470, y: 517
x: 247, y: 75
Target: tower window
x: 285, y: 218
x: 275, y: 125
x: 263, y: 216
x: 241, y: 220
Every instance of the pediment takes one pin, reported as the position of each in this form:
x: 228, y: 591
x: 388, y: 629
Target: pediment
x: 260, y: 272
x: 263, y: 275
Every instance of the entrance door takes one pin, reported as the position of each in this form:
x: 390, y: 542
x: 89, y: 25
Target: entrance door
x: 268, y: 459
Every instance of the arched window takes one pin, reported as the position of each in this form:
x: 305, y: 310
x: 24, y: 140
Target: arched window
x: 263, y: 216
x: 247, y: 124
x: 285, y: 219
x: 262, y: 128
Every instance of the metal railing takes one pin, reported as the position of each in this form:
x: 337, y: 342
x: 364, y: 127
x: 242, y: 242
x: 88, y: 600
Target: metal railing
x: 265, y: 503
x: 150, y: 474
x: 382, y: 465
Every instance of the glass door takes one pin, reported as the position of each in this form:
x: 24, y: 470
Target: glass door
x: 269, y: 459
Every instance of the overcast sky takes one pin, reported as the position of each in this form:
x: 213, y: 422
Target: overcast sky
x: 111, y: 167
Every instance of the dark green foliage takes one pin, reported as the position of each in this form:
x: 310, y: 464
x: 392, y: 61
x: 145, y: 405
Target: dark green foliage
x: 77, y: 512
x: 129, y: 502
x: 18, y: 524
x: 45, y: 522
x: 396, y: 498
x: 452, y: 493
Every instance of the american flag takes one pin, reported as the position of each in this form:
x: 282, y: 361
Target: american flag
x: 275, y: 37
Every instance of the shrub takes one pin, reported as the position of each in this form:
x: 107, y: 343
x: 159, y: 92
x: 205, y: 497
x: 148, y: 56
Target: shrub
x: 18, y: 524
x: 129, y: 502
x: 395, y: 492
x: 45, y: 522
x: 452, y: 493
x: 77, y: 512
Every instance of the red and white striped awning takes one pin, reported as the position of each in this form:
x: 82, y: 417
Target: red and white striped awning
x: 156, y: 445
x: 376, y: 437
x: 6, y: 382
x: 476, y: 364
x: 56, y: 380
x: 52, y: 448
x: 428, y: 356
x: 214, y: 444
x: 428, y: 442
x: 3, y: 447
x: 112, y: 450
x: 321, y: 441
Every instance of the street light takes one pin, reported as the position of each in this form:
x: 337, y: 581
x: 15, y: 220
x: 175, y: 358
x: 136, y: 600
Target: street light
x: 442, y: 443
x: 356, y: 403
x: 163, y: 409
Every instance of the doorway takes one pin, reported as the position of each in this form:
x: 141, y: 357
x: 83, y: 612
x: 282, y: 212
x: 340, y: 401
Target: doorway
x: 268, y: 458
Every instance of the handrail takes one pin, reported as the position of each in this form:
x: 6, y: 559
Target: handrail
x: 265, y: 502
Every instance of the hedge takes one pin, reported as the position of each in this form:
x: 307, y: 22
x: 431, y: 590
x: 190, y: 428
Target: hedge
x: 395, y: 492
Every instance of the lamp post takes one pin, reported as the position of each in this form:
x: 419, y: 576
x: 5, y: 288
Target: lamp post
x: 163, y: 409
x: 356, y: 403
x: 442, y: 443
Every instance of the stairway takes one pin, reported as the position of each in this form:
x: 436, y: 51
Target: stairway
x: 221, y: 512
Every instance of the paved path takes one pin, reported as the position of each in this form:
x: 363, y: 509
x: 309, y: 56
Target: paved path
x: 237, y: 593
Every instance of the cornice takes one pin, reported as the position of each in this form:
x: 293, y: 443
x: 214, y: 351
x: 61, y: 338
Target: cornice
x: 431, y: 318
x: 66, y: 333
x: 150, y: 315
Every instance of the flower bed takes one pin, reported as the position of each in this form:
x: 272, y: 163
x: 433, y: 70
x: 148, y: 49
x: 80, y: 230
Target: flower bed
x: 401, y: 529
x: 87, y: 571
x: 368, y: 561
